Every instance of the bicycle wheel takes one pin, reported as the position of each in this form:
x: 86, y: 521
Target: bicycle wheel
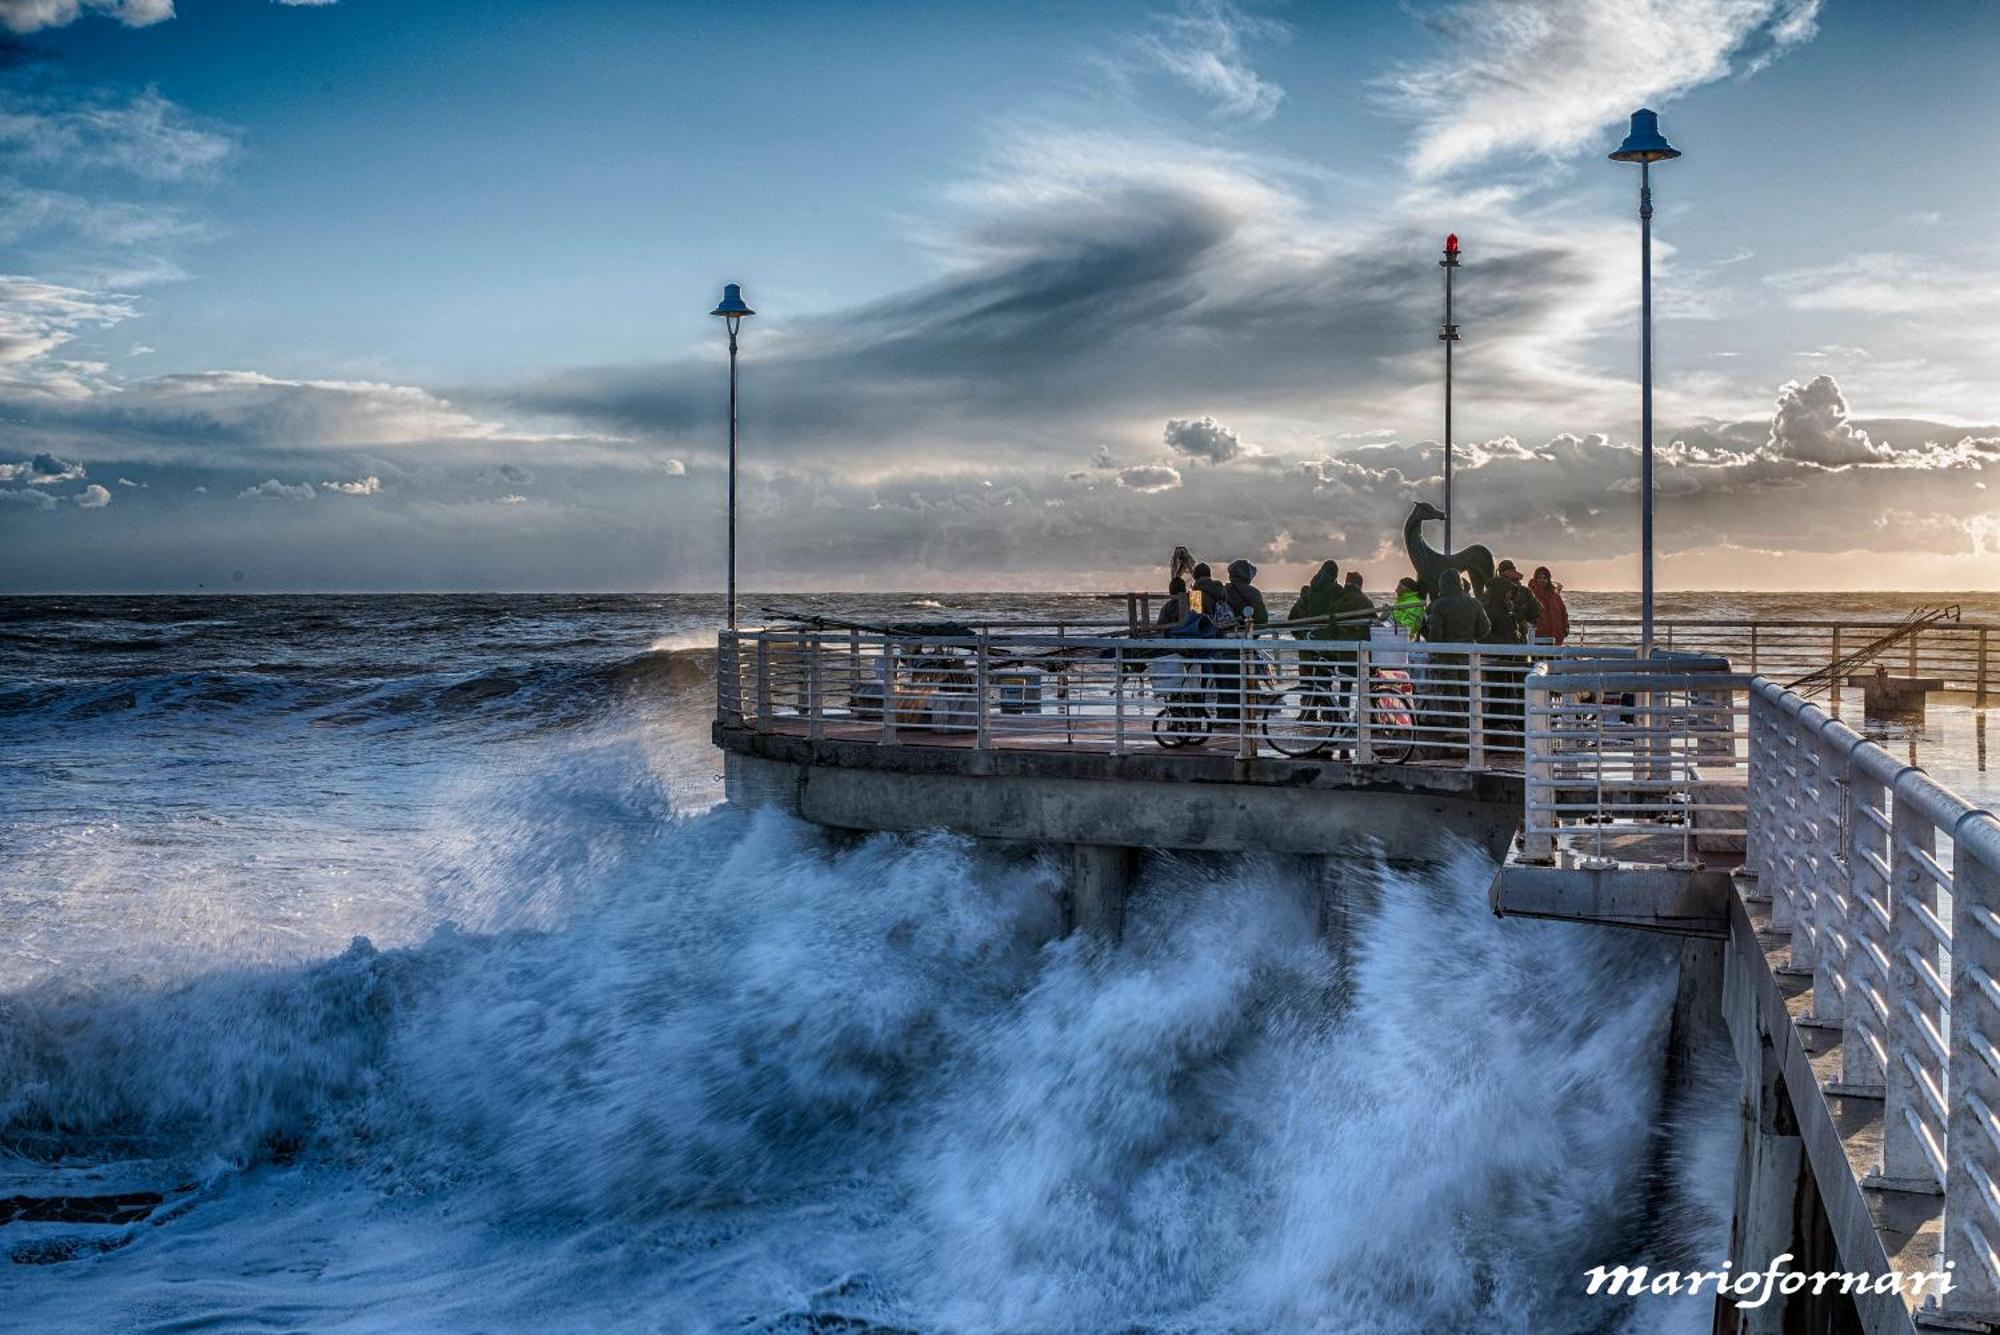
x: 1300, y: 720
x: 1392, y: 731
x: 1180, y: 725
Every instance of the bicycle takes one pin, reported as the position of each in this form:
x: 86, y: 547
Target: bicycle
x: 1311, y: 716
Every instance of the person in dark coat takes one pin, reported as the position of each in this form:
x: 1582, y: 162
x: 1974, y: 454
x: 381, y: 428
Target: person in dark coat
x: 1214, y: 593
x: 1175, y: 609
x: 1513, y: 612
x: 1510, y: 608
x: 1454, y: 617
x: 1242, y: 597
x: 1553, y: 624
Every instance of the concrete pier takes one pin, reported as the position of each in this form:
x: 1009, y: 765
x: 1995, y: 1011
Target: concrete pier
x: 1100, y: 877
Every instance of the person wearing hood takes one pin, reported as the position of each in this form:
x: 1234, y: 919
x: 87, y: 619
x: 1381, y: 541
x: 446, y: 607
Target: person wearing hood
x: 1512, y: 610
x: 1316, y: 600
x: 1454, y: 617
x: 1214, y: 593
x: 1553, y: 624
x: 1242, y: 595
x: 1408, y: 613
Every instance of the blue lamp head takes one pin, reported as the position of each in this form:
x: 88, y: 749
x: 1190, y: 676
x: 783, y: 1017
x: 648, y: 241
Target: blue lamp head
x: 1645, y: 143
x: 732, y: 305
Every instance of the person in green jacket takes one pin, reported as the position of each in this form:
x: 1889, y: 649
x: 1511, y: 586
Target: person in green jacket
x: 1408, y: 613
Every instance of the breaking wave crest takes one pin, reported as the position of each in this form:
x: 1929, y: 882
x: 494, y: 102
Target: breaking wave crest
x: 758, y: 1077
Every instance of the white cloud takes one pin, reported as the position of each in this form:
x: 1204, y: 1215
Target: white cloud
x: 147, y: 136
x: 1811, y: 427
x: 277, y: 491
x: 1201, y: 44
x: 1149, y: 478
x: 37, y: 500
x: 34, y: 15
x: 1549, y: 77
x: 36, y: 318
x: 1888, y: 283
x: 673, y: 468
x: 128, y: 482
x: 92, y: 497
x: 367, y: 486
x: 511, y: 500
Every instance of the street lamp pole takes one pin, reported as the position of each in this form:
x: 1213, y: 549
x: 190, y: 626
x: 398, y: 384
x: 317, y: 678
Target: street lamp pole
x: 1645, y: 145
x: 1448, y: 335
x: 733, y: 309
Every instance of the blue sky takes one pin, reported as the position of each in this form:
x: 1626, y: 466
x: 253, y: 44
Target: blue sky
x: 357, y: 295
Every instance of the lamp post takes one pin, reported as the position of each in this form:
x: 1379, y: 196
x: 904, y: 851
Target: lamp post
x: 733, y: 310
x: 1645, y: 145
x: 1448, y: 335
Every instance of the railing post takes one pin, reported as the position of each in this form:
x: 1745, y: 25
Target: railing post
x: 1245, y: 735
x: 1979, y: 690
x: 1538, y: 840
x: 815, y: 687
x: 1364, y: 706
x: 981, y: 654
x: 1830, y: 876
x: 1906, y: 1164
x: 888, y: 690
x: 763, y: 678
x: 1475, y: 711
x: 1753, y: 648
x: 1862, y: 1044
x: 1833, y: 656
x: 1970, y: 1207
x: 1118, y: 700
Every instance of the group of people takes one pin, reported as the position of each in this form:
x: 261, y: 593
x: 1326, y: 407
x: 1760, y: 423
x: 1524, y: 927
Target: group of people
x: 1508, y: 610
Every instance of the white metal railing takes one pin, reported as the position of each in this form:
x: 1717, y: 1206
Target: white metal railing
x: 1887, y: 882
x: 1964, y: 655
x: 1890, y: 884
x: 1637, y: 763
x: 1450, y: 704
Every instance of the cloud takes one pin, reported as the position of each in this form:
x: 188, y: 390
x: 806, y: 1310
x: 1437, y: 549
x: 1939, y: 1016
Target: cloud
x: 145, y: 136
x: 128, y: 482
x: 92, y: 497
x: 44, y: 470
x: 37, y: 318
x: 1888, y: 283
x: 1149, y: 478
x: 276, y: 490
x: 1549, y: 77
x: 34, y: 15
x: 511, y: 500
x: 367, y: 486
x: 1201, y: 45
x: 673, y: 467
x: 1811, y: 427
x: 1203, y: 438
x: 36, y: 500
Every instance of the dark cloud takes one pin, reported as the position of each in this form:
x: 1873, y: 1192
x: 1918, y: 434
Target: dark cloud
x: 1202, y: 438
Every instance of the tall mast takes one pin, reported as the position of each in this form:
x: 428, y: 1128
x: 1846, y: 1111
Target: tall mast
x: 1448, y: 335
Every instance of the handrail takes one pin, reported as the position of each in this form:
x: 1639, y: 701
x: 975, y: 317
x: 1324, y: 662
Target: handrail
x: 1268, y: 696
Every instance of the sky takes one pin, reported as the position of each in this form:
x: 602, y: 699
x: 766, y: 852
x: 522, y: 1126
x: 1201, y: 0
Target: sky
x: 358, y: 295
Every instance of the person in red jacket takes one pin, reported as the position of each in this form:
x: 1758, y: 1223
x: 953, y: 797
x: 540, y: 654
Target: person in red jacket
x: 1553, y: 623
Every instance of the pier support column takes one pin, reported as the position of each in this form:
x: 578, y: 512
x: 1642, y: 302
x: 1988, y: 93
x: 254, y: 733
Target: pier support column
x: 1350, y: 892
x: 1770, y: 1167
x: 1697, y: 1023
x: 1099, y: 877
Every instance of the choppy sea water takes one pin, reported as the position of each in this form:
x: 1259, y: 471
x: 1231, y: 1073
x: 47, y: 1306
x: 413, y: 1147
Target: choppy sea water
x: 397, y: 944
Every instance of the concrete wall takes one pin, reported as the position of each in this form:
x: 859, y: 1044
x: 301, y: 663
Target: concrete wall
x: 1045, y: 806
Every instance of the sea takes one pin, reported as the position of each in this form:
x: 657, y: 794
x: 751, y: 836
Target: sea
x: 400, y: 957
